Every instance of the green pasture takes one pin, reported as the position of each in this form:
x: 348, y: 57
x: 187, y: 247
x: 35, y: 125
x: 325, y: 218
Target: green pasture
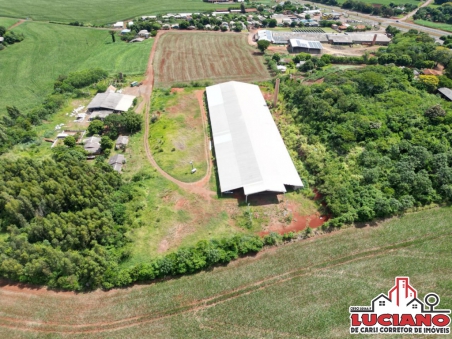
x: 437, y: 25
x: 300, y: 290
x: 97, y: 11
x: 29, y: 69
x: 7, y: 22
x: 177, y: 137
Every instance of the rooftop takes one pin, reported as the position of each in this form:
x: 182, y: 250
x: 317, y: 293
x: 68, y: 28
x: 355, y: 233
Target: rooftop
x: 305, y: 44
x: 249, y: 150
x: 447, y: 92
x: 112, y: 101
x: 117, y: 159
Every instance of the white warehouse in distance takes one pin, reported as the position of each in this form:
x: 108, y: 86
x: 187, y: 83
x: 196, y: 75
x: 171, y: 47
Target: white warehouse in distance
x: 249, y: 149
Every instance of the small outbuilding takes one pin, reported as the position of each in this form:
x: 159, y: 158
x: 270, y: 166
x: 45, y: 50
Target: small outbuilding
x: 122, y: 142
x: 117, y: 161
x: 92, y: 145
x: 119, y: 24
x: 143, y: 33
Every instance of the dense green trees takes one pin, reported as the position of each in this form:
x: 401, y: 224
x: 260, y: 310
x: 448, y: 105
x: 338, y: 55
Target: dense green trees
x: 10, y: 37
x: 60, y: 220
x: 262, y: 45
x: 375, y: 144
x: 437, y: 14
x: 80, y: 79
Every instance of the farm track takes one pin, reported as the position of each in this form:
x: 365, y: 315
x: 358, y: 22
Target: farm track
x: 197, y: 187
x: 202, y: 304
x: 20, y: 22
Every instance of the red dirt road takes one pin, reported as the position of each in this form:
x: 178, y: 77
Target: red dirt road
x: 198, y: 187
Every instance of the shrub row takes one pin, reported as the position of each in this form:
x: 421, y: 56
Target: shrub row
x: 189, y: 260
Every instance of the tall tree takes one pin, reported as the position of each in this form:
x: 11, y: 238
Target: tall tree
x: 112, y: 33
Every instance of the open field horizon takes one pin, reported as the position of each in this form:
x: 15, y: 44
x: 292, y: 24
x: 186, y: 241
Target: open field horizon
x: 300, y: 290
x: 30, y: 68
x: 97, y: 12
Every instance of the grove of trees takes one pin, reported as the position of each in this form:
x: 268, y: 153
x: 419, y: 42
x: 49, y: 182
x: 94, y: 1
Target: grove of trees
x: 372, y: 141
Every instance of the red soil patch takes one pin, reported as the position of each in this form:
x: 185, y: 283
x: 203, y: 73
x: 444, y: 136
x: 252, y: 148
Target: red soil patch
x: 299, y: 223
x: 180, y: 204
x: 176, y: 90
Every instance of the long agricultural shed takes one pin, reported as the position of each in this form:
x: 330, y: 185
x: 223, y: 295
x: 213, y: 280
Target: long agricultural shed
x: 249, y: 150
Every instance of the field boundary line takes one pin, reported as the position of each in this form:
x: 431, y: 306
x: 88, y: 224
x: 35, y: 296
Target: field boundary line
x: 219, y: 298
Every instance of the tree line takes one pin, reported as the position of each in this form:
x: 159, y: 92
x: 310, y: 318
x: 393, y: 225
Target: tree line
x: 63, y: 223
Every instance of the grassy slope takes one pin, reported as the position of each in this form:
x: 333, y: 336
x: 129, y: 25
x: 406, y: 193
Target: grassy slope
x: 7, y: 22
x: 179, y: 134
x: 299, y: 290
x: 437, y: 25
x: 98, y: 11
x: 29, y: 68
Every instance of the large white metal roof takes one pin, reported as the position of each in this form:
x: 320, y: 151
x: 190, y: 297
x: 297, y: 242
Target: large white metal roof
x: 249, y: 150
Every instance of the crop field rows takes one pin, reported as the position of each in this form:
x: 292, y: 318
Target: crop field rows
x: 185, y: 57
x: 302, y: 290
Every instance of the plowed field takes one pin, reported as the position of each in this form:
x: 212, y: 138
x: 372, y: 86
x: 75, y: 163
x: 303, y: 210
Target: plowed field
x: 182, y: 57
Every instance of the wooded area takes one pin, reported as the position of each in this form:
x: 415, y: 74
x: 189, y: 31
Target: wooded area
x: 63, y: 219
x: 373, y: 142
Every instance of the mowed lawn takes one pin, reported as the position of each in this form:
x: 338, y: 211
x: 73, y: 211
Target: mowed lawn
x: 29, y: 69
x: 7, y: 22
x: 437, y: 25
x: 301, y: 290
x: 218, y: 57
x: 178, y: 136
x: 98, y: 11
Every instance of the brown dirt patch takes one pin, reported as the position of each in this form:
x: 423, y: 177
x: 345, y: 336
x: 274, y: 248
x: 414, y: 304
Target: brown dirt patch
x: 176, y: 90
x: 163, y: 246
x: 180, y: 204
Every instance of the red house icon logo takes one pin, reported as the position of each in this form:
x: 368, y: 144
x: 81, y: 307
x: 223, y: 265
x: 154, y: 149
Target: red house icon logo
x: 402, y: 292
x: 400, y: 312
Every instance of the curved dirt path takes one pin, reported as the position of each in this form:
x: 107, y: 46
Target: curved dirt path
x: 20, y: 22
x: 33, y: 326
x: 197, y: 187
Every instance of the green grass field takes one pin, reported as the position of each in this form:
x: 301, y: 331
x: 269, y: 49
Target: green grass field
x: 177, y: 137
x: 7, y: 22
x: 97, y: 11
x: 30, y: 68
x: 301, y: 290
x: 437, y: 25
